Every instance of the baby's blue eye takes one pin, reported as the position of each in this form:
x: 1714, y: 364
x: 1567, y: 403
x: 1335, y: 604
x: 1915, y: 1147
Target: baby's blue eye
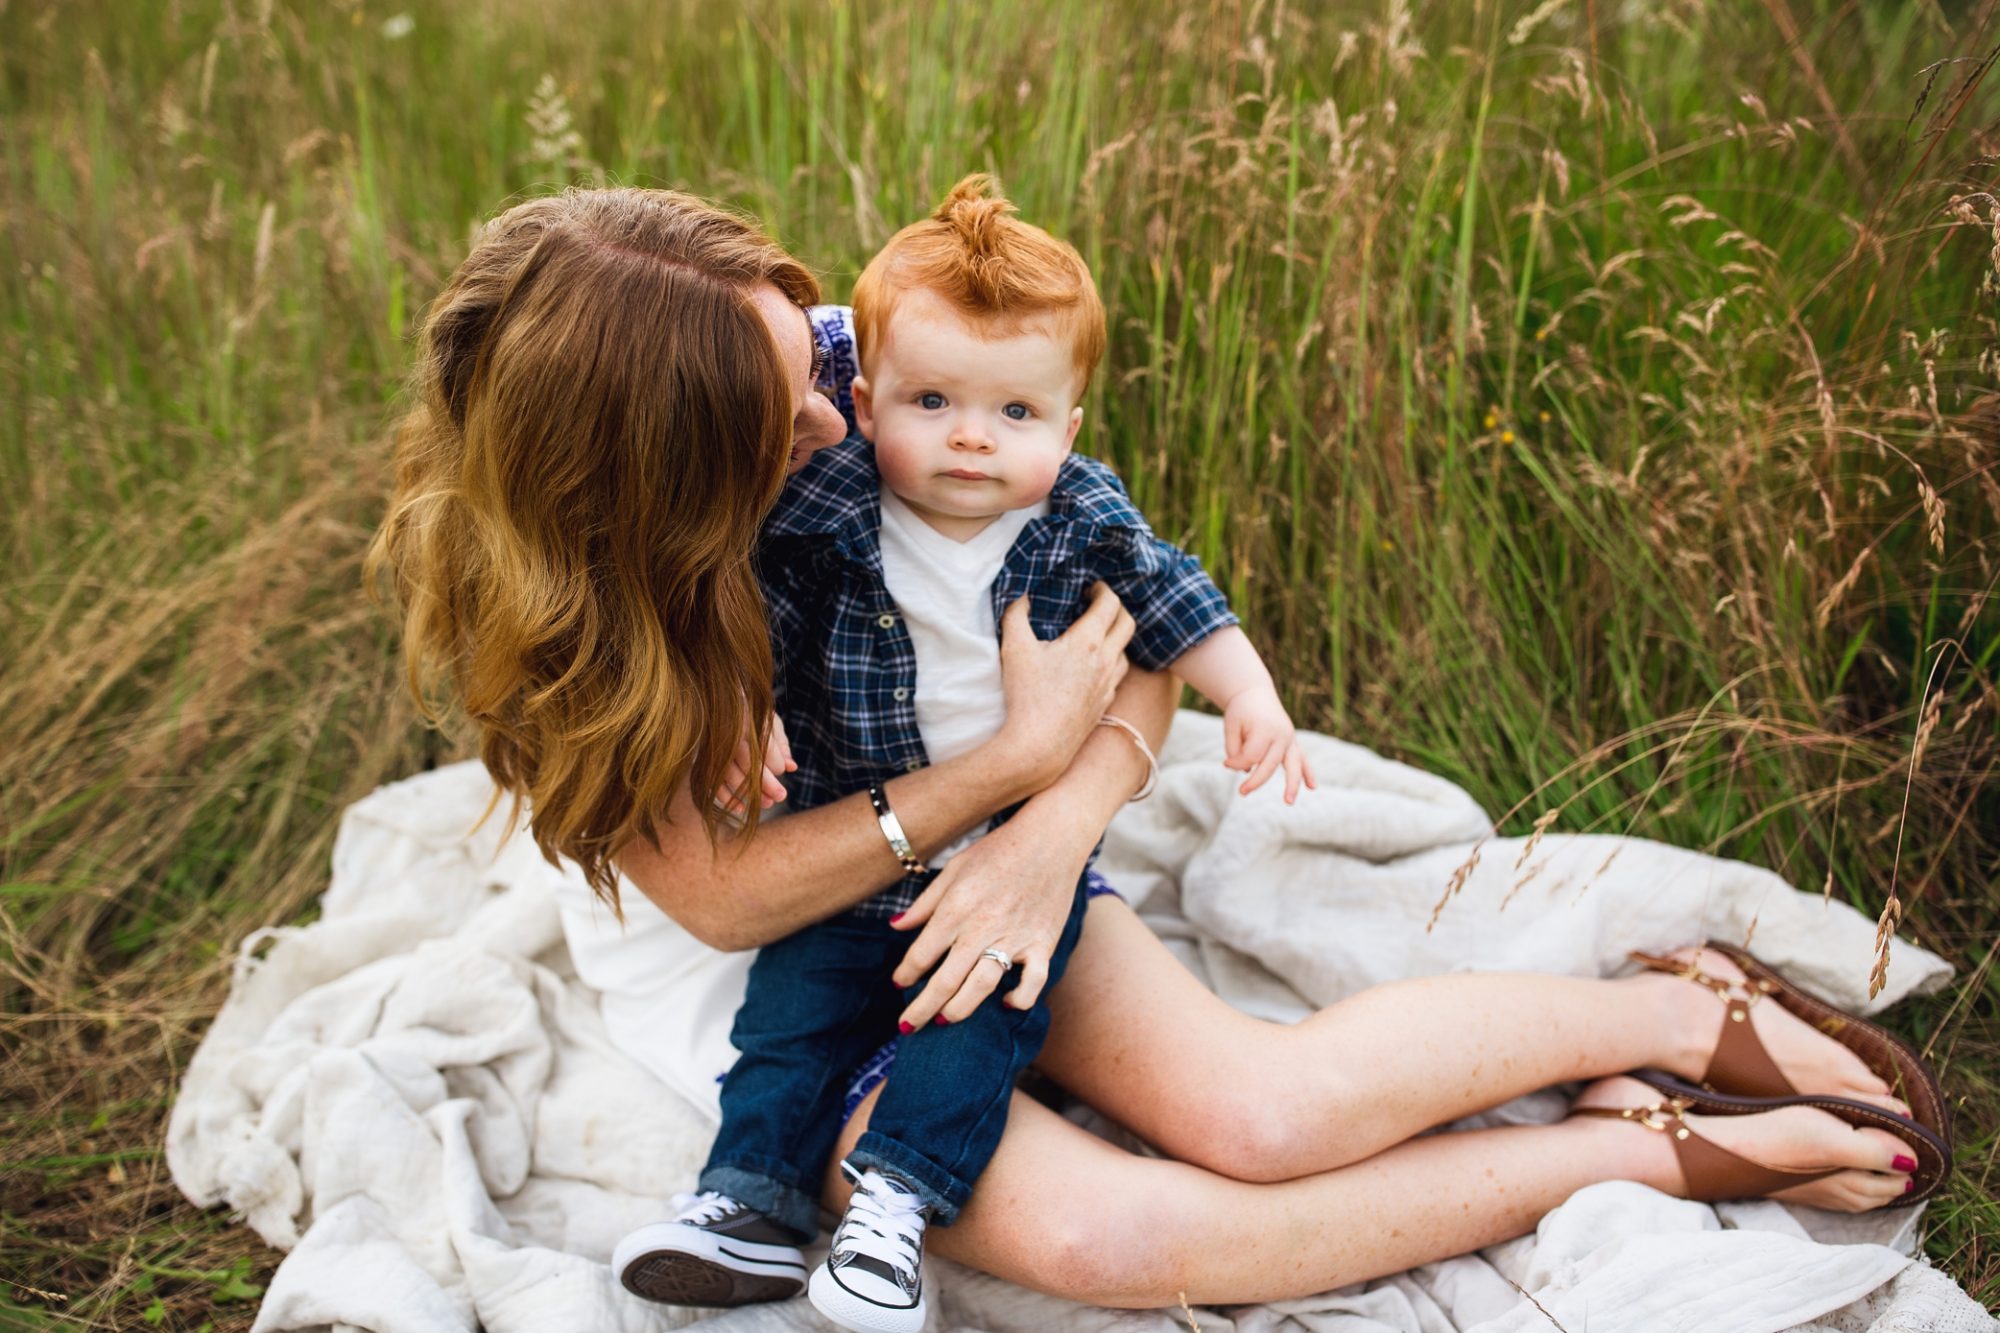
x: 930, y: 401
x: 1016, y: 412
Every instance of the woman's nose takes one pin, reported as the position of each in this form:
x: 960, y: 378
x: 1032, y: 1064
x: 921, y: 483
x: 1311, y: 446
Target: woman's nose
x: 819, y: 425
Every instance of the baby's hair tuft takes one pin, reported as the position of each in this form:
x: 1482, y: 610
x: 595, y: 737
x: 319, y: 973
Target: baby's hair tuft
x: 973, y: 252
x: 973, y: 211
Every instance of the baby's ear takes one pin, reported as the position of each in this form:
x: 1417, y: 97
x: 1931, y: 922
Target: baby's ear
x: 1075, y: 423
x: 864, y: 406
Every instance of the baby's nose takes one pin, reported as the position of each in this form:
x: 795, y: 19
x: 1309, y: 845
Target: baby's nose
x: 970, y: 435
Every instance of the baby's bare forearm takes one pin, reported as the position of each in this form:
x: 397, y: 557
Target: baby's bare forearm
x: 1222, y: 666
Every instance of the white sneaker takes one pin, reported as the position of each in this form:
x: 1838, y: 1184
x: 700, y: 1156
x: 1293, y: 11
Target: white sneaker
x: 872, y: 1280
x: 716, y: 1252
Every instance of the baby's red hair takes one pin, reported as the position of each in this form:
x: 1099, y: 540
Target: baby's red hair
x: 991, y: 267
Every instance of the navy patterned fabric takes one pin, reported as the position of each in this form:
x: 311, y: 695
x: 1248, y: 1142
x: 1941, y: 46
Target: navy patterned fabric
x: 846, y: 670
x: 840, y: 357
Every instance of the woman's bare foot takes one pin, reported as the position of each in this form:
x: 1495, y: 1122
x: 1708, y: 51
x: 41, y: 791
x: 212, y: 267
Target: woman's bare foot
x: 1797, y: 1137
x: 1812, y: 1061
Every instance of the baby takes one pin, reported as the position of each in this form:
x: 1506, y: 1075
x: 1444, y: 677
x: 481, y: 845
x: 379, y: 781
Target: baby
x: 887, y: 566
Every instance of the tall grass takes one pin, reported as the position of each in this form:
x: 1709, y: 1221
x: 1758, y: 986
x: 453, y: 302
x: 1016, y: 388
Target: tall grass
x: 1592, y: 403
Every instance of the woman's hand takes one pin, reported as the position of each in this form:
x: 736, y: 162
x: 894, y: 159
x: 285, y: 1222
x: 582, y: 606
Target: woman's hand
x: 1012, y: 891
x: 777, y: 760
x: 1056, y: 691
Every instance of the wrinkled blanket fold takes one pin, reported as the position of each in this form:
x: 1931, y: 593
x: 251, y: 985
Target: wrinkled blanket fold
x: 419, y: 1099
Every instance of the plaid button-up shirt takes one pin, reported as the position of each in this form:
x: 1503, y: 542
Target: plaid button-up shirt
x: 846, y: 670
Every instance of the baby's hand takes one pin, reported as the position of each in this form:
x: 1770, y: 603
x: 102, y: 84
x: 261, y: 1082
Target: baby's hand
x: 1258, y: 737
x: 777, y: 759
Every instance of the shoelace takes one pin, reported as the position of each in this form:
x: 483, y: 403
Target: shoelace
x: 884, y: 1221
x: 703, y: 1208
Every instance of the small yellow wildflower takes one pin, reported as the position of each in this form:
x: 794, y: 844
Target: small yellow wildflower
x: 1541, y: 335
x: 1545, y: 418
x: 1506, y: 437
x: 1491, y: 421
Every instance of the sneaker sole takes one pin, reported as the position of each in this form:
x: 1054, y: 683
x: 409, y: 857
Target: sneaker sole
x: 857, y: 1314
x: 684, y: 1265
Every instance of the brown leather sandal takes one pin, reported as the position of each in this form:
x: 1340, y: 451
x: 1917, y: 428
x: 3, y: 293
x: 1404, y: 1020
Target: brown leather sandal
x: 1741, y: 1076
x: 1741, y: 1067
x: 1932, y: 1154
x: 1712, y: 1172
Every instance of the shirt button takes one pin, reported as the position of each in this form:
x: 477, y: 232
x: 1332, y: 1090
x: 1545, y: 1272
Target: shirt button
x: 913, y: 765
x: 886, y: 621
x: 900, y: 694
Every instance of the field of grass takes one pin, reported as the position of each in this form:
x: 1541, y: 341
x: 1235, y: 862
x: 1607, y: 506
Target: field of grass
x: 1592, y: 402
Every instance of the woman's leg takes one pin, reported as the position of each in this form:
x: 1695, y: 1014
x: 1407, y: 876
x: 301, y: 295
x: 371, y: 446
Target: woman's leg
x: 1064, y: 1212
x: 1138, y: 1037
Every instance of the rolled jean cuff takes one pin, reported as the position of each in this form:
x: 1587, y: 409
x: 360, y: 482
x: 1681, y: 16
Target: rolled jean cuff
x: 942, y: 1191
x: 787, y: 1205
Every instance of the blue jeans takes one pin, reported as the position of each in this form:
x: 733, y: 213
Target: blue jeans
x: 821, y: 1001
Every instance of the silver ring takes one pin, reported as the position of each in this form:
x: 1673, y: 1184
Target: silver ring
x: 999, y: 956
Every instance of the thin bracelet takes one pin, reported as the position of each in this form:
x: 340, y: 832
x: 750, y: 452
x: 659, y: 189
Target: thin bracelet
x: 892, y: 829
x: 1152, y: 763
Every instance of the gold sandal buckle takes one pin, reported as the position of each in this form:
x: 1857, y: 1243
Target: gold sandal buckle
x: 1725, y: 991
x: 1661, y: 1117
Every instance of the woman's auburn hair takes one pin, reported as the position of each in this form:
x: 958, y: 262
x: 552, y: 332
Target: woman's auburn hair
x: 990, y: 266
x: 601, y: 421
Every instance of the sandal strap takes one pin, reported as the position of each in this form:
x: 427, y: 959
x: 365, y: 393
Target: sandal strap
x: 1710, y: 1171
x: 1908, y: 1074
x: 1740, y: 1064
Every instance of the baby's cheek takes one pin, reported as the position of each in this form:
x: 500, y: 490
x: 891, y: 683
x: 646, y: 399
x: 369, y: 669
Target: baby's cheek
x: 895, y: 459
x: 1038, y: 477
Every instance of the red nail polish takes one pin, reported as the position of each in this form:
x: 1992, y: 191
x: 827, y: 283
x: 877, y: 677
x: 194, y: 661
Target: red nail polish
x: 898, y: 917
x: 903, y: 1026
x: 1909, y: 1184
x: 1902, y: 1163
x: 942, y: 1021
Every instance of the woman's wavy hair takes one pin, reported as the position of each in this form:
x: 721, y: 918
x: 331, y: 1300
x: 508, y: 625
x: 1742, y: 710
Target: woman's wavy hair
x: 601, y: 421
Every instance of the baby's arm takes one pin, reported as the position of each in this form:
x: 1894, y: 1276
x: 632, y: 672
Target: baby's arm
x: 1258, y: 735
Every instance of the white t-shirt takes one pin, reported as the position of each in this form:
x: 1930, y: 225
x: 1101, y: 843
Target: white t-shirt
x: 944, y: 588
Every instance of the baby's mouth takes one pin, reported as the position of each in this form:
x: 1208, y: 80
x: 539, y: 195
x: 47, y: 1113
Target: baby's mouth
x: 968, y: 474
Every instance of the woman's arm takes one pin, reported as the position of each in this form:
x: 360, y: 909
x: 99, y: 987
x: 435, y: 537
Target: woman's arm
x: 739, y: 893
x: 743, y: 892
x: 1013, y: 888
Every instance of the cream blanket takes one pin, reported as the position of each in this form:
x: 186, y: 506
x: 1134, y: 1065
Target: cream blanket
x: 419, y: 1098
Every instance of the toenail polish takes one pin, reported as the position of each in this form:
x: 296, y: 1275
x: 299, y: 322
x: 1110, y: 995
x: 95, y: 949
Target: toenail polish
x: 942, y: 1021
x: 1902, y: 1163
x: 1909, y: 1184
x: 903, y: 1026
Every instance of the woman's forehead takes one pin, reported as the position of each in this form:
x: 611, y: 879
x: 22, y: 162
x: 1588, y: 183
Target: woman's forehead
x: 789, y: 327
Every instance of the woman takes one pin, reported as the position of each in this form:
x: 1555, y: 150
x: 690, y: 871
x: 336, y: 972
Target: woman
x: 615, y: 386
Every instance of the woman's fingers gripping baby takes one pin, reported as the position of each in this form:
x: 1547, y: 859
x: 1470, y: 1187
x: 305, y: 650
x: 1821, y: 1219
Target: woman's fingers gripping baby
x: 956, y: 932
x: 777, y: 760
x: 1056, y: 689
x: 966, y: 979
